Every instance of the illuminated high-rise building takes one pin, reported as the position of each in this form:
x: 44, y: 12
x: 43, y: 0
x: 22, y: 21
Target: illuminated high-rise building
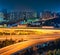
x: 1, y: 16
x: 56, y: 15
x: 46, y: 15
x: 4, y: 11
x: 13, y: 15
x: 31, y: 15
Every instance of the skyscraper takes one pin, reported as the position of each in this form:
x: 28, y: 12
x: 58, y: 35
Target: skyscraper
x: 46, y: 15
x: 4, y: 11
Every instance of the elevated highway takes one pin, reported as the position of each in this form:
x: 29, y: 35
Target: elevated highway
x: 27, y: 33
x: 34, y: 36
x: 20, y: 46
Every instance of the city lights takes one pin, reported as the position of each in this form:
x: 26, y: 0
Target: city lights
x: 29, y: 27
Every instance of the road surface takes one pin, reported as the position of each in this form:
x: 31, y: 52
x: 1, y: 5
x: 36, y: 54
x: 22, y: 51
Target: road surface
x: 28, y: 34
x: 20, y: 46
x: 34, y: 36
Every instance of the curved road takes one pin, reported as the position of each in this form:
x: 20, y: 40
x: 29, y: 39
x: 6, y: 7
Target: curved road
x: 40, y: 36
x: 22, y: 45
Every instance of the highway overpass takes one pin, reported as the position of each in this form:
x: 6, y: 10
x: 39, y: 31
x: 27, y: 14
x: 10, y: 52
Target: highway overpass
x: 27, y: 33
x: 22, y: 45
x: 34, y: 36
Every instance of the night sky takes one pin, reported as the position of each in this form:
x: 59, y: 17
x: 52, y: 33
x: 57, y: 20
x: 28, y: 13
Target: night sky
x: 35, y: 5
